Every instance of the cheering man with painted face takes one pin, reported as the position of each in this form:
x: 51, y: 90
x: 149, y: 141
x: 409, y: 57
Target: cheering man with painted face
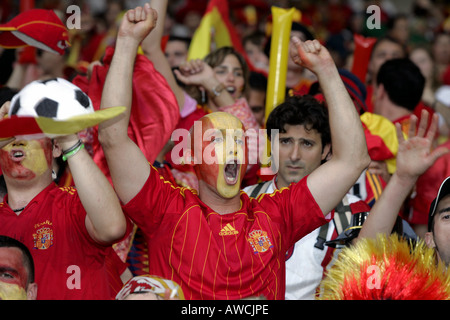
x: 218, y: 243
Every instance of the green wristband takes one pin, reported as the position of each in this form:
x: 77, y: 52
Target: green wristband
x: 72, y: 152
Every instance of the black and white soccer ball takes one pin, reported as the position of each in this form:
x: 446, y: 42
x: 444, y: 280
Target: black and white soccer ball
x: 55, y: 98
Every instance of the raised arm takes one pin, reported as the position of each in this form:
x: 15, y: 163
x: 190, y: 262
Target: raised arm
x: 198, y: 73
x: 152, y: 49
x: 332, y: 180
x: 105, y: 220
x: 128, y: 166
x: 413, y: 159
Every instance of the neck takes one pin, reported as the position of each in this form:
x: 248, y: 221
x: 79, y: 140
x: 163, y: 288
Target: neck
x: 216, y: 202
x: 280, y: 184
x: 20, y: 193
x: 394, y: 112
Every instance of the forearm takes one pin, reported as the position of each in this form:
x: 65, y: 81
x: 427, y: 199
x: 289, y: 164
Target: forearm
x: 217, y: 93
x: 152, y: 50
x: 117, y: 91
x: 349, y: 142
x: 384, y: 213
x: 127, y: 164
x: 105, y: 220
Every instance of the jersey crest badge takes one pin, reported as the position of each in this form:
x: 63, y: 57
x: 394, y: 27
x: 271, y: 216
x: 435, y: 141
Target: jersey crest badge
x: 43, y: 238
x: 260, y: 241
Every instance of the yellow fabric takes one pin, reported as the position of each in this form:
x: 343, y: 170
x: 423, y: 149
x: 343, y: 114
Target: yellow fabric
x: 211, y: 26
x: 382, y: 127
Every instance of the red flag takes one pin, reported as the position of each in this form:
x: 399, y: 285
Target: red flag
x: 154, y: 111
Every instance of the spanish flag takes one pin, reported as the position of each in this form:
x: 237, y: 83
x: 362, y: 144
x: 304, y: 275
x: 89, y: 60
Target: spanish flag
x: 215, y: 31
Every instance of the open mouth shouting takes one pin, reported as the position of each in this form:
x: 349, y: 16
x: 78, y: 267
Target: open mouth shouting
x: 231, y: 172
x: 231, y: 90
x: 17, y: 155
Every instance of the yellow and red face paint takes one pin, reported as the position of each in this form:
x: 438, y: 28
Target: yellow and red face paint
x: 222, y: 142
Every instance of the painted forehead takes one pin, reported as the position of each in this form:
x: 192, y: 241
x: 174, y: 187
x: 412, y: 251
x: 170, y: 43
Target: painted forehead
x: 220, y: 121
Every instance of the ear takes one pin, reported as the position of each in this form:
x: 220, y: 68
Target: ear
x: 429, y: 240
x: 380, y: 92
x: 57, y: 151
x: 326, y: 153
x: 32, y: 291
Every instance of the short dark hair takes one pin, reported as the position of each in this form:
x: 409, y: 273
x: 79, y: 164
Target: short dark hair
x: 7, y: 242
x: 389, y: 39
x: 186, y: 40
x: 301, y: 110
x: 403, y: 82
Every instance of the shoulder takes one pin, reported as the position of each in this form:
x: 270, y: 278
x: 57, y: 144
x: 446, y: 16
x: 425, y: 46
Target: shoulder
x: 259, y: 188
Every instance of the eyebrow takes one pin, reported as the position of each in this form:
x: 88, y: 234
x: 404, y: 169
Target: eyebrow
x: 226, y: 68
x: 447, y: 209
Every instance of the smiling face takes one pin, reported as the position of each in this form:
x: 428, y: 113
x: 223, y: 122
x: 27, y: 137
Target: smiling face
x: 26, y: 159
x: 223, y: 153
x: 231, y: 74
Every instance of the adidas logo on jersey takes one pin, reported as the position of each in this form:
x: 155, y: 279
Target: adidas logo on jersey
x: 228, y: 230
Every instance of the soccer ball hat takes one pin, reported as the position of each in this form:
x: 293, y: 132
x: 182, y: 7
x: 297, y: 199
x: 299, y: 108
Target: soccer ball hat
x: 52, y: 108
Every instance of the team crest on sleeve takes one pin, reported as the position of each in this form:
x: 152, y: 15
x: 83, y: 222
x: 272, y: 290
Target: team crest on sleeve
x: 260, y: 241
x: 43, y: 236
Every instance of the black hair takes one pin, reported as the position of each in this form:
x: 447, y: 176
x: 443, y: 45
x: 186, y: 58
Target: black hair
x: 301, y: 110
x: 403, y: 82
x: 257, y: 81
x: 186, y: 40
x: 6, y: 94
x: 389, y: 39
x: 7, y: 242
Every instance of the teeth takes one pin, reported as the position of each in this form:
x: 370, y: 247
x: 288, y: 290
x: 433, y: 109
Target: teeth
x: 230, y: 89
x: 18, y: 154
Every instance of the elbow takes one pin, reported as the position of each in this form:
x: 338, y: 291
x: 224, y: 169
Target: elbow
x: 109, y: 233
x: 365, y: 160
x: 113, y: 233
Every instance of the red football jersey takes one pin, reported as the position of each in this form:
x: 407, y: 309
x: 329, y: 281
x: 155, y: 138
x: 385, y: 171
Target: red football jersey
x: 68, y: 263
x: 214, y: 256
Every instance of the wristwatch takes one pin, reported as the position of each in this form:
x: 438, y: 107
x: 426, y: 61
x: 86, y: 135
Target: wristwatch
x: 217, y: 90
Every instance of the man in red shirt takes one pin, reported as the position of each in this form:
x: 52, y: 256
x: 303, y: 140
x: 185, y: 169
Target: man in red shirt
x: 68, y: 231
x: 218, y: 243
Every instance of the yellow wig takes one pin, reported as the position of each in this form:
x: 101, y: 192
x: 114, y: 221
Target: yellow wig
x: 387, y: 268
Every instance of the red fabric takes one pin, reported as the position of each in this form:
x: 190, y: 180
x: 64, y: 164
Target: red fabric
x: 154, y: 111
x: 378, y: 151
x: 69, y: 264
x: 42, y: 26
x: 427, y: 187
x: 186, y: 243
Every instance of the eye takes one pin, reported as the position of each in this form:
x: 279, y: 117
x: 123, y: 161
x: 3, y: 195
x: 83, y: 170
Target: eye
x: 217, y: 139
x: 6, y: 275
x: 285, y: 141
x: 307, y: 143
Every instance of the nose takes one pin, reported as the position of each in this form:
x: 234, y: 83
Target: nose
x: 230, y: 76
x: 19, y: 143
x: 295, y: 153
